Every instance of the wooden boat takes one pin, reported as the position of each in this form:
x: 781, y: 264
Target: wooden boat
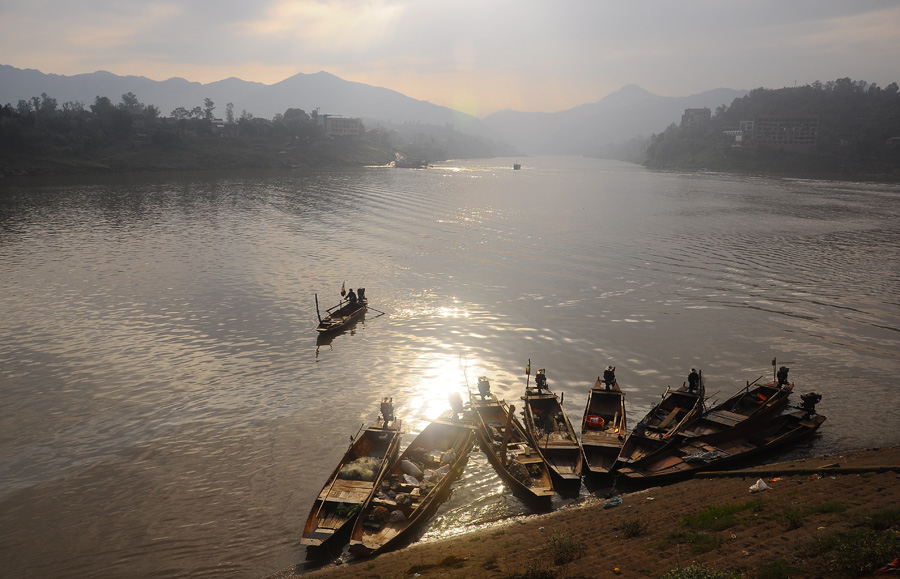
x: 353, y: 481
x: 720, y: 449
x: 343, y: 314
x: 414, y: 486
x: 516, y: 166
x: 503, y: 439
x: 603, y: 426
x: 658, y: 428
x: 748, y: 403
x: 552, y: 434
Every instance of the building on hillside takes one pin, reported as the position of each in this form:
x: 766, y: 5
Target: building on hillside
x: 695, y: 118
x: 786, y: 131
x: 338, y: 126
x: 740, y: 135
x: 778, y: 131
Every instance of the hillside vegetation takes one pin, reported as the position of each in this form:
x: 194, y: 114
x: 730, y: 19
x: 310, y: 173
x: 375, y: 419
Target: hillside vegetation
x: 39, y: 136
x: 858, y: 134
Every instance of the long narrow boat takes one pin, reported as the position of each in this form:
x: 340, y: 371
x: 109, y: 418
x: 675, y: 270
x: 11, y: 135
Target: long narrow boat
x: 503, y: 439
x: 720, y: 449
x: 659, y: 427
x: 747, y: 404
x: 413, y: 486
x: 603, y: 426
x: 353, y: 481
x: 342, y: 315
x: 552, y: 434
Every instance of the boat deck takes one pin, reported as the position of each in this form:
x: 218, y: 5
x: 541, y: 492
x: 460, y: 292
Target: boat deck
x: 347, y: 491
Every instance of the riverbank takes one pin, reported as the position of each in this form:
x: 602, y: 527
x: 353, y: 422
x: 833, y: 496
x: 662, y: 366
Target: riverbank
x: 792, y: 529
x: 193, y: 154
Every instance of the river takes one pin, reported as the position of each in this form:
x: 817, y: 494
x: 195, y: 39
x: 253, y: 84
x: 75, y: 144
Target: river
x: 168, y: 412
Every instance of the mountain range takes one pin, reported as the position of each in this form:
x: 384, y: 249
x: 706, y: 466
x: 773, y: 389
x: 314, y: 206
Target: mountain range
x: 627, y: 113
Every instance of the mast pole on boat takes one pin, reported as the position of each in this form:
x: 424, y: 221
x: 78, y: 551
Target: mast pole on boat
x: 507, y: 433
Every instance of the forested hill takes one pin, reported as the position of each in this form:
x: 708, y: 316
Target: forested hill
x: 850, y: 129
x: 41, y: 136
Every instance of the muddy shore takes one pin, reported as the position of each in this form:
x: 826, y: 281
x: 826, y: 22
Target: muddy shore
x: 647, y: 534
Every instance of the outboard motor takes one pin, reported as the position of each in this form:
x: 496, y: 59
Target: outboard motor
x: 809, y: 401
x: 387, y: 409
x: 456, y: 402
x: 540, y: 379
x: 609, y: 376
x: 782, y: 375
x: 484, y: 387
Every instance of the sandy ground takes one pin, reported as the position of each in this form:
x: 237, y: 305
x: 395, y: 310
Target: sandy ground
x: 757, y: 537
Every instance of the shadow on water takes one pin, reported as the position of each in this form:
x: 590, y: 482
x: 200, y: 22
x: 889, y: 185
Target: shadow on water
x: 327, y: 338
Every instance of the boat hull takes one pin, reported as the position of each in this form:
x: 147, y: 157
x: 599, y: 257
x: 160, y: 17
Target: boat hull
x: 491, y: 417
x: 345, y: 492
x: 724, y: 449
x: 551, y: 433
x: 603, y: 428
x: 658, y: 429
x: 385, y: 521
x: 341, y: 318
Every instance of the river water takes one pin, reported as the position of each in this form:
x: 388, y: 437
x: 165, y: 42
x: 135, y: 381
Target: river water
x: 167, y: 411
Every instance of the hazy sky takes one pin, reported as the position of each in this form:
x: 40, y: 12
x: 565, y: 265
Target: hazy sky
x: 475, y: 56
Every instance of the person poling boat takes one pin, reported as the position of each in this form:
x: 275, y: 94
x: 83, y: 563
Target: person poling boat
x: 343, y: 314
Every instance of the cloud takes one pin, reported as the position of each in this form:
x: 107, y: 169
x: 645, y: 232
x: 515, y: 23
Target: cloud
x: 528, y: 55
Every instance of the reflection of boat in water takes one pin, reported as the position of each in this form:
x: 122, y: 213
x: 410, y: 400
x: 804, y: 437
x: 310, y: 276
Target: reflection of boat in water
x: 344, y: 314
x: 353, y: 481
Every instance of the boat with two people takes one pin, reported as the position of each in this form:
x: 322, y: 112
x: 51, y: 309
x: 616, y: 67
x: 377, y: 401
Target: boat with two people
x: 414, y: 486
x: 603, y: 424
x: 352, y: 483
x: 658, y: 429
x: 348, y: 311
x: 504, y: 441
x: 552, y: 434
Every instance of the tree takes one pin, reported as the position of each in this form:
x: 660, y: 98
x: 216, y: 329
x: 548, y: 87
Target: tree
x: 131, y: 103
x: 229, y: 113
x: 208, y: 107
x: 48, y: 105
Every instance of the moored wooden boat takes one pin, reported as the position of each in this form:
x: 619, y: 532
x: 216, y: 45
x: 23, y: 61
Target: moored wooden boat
x: 659, y: 427
x: 603, y: 426
x: 747, y: 404
x: 503, y: 439
x: 353, y: 481
x: 721, y: 449
x: 342, y: 315
x: 552, y: 434
x: 414, y: 486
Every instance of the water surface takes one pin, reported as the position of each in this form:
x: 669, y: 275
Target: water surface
x: 169, y: 412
